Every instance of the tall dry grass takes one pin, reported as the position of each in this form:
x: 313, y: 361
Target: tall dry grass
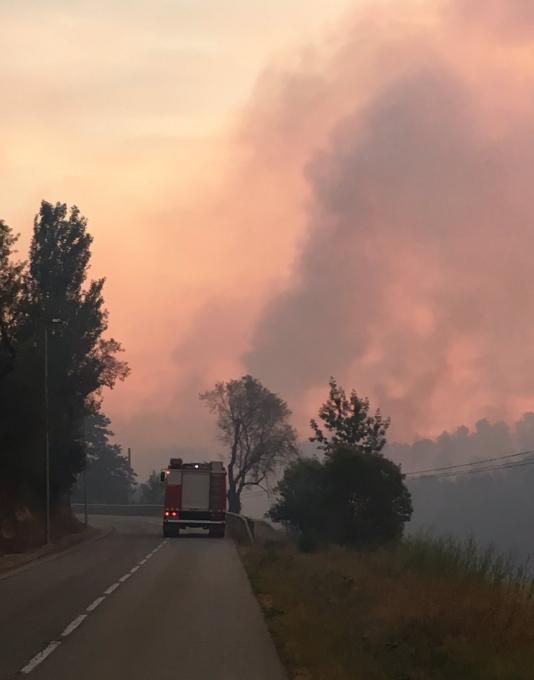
x: 425, y: 609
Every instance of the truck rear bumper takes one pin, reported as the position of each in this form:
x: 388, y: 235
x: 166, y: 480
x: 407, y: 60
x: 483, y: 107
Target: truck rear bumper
x: 199, y: 523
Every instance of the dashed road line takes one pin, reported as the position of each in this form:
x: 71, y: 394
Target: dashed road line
x: 95, y: 604
x: 75, y: 623
x: 112, y: 588
x: 39, y: 658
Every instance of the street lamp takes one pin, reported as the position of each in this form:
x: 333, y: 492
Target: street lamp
x: 47, y: 433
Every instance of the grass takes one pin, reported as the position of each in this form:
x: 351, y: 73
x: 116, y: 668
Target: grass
x: 427, y: 609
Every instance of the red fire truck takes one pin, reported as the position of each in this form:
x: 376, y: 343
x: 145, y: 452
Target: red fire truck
x: 195, y: 496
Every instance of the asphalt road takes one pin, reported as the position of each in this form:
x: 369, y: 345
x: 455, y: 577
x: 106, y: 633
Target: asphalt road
x: 134, y: 606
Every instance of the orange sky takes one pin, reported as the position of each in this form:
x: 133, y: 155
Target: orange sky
x: 293, y: 188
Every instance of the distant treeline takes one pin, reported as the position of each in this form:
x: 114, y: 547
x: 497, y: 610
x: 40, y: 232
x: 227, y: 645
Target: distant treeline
x: 495, y: 506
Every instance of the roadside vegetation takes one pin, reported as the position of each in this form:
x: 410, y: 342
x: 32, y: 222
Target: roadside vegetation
x: 421, y: 609
x: 353, y: 494
x: 348, y: 596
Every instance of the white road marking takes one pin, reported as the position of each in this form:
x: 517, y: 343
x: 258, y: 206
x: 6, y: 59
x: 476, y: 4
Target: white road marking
x: 73, y: 625
x: 95, y: 604
x: 39, y: 658
x: 112, y: 588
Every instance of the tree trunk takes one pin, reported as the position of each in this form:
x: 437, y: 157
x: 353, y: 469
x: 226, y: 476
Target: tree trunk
x: 234, y: 501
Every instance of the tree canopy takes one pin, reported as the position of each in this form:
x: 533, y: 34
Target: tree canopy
x: 50, y: 297
x: 347, y: 421
x: 108, y: 477
x: 10, y: 291
x: 254, y: 424
x: 152, y: 491
x: 352, y: 498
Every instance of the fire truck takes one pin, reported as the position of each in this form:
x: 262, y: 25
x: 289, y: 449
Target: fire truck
x: 195, y: 496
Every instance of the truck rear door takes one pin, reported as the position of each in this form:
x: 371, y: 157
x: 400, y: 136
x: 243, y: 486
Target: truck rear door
x: 195, y: 490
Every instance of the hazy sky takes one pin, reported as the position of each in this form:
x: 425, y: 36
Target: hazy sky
x: 295, y: 188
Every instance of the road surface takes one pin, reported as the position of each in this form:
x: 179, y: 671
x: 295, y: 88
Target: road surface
x: 138, y: 607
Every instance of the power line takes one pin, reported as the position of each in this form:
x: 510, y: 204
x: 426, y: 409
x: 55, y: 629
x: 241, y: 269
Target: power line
x: 469, y: 465
x: 475, y: 471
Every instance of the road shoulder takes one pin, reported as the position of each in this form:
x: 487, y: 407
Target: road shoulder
x: 12, y: 564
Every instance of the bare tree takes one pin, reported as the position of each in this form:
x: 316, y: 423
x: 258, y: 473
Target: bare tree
x: 254, y: 424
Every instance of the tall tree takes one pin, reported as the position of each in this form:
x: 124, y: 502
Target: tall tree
x: 347, y: 421
x: 254, y: 424
x: 14, y: 408
x: 10, y: 294
x: 81, y: 361
x: 108, y: 478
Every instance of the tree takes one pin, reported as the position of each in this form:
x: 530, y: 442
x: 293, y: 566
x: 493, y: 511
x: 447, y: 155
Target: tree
x: 152, y: 491
x: 347, y: 420
x: 254, y: 424
x: 10, y: 292
x: 108, y: 476
x: 11, y: 407
x: 353, y: 498
x: 81, y: 361
x: 300, y: 500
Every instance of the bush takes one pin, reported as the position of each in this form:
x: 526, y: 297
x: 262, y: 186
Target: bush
x: 353, y: 498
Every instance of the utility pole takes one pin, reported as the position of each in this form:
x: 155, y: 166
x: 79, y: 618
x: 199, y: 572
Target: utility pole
x: 85, y: 519
x: 47, y: 438
x: 129, y: 465
x: 47, y: 430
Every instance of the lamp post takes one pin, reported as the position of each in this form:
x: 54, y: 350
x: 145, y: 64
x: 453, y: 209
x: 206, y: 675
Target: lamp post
x: 47, y: 430
x: 85, y: 517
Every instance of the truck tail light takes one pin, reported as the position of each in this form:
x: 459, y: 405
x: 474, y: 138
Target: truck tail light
x: 173, y: 513
x: 167, y: 513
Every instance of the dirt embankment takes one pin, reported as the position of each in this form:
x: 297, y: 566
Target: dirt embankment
x: 23, y: 529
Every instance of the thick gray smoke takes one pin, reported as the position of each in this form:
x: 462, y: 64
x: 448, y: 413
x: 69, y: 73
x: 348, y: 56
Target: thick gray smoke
x: 413, y: 283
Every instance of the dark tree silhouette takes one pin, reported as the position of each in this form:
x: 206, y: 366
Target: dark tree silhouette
x: 10, y: 292
x: 347, y: 421
x: 81, y: 361
x: 52, y: 287
x: 152, y: 491
x: 353, y: 498
x: 254, y: 424
x: 108, y: 477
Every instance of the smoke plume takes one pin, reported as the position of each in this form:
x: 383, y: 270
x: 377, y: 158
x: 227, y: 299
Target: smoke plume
x: 412, y: 281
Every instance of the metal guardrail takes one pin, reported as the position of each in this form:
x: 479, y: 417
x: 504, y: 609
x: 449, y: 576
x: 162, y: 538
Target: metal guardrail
x: 244, y: 526
x: 133, y: 509
x: 240, y: 526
